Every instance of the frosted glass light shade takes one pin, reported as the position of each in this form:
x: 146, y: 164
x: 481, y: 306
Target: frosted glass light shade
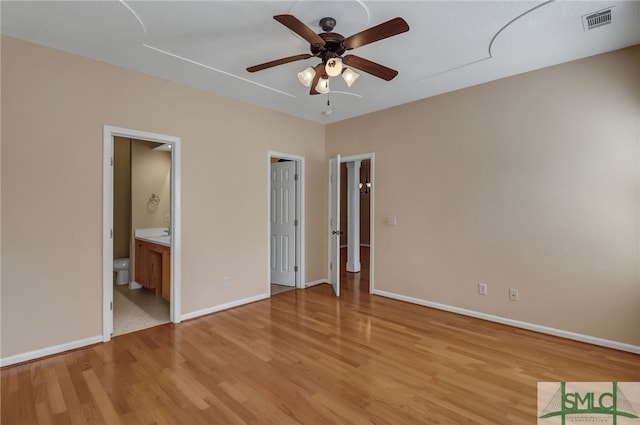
x: 323, y: 86
x: 306, y: 76
x: 333, y: 68
x: 349, y: 76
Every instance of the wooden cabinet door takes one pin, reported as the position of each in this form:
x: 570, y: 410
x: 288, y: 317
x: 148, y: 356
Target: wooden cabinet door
x: 153, y: 267
x: 141, y: 263
x: 154, y: 278
x: 166, y: 273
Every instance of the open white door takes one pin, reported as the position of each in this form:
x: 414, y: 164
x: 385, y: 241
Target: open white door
x: 283, y: 223
x: 334, y: 224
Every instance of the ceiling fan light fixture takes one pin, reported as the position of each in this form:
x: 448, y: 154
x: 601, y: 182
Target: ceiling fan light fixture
x: 306, y: 76
x: 333, y: 68
x: 329, y: 48
x: 349, y: 76
x: 323, y: 86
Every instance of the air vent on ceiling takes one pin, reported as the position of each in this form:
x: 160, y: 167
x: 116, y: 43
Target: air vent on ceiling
x: 596, y: 19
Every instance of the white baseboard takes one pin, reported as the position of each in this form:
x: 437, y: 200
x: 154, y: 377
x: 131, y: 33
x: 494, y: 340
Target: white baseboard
x: 43, y: 352
x: 226, y: 306
x: 30, y: 355
x: 515, y: 323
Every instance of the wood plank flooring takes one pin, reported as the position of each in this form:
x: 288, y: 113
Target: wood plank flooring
x: 305, y: 357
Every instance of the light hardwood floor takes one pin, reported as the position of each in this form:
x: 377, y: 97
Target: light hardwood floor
x: 306, y: 357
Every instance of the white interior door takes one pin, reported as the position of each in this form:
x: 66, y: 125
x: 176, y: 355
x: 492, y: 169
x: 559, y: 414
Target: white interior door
x: 283, y: 223
x: 334, y: 224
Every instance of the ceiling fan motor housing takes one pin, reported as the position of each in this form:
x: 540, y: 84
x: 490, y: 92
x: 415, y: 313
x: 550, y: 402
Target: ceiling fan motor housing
x: 327, y: 24
x: 333, y: 46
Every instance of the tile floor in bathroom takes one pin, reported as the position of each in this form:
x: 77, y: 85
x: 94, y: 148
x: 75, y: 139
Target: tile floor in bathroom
x: 136, y: 309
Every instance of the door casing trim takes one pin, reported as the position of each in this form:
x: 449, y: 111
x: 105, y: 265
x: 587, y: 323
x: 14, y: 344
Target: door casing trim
x: 300, y: 202
x: 109, y: 132
x: 372, y: 167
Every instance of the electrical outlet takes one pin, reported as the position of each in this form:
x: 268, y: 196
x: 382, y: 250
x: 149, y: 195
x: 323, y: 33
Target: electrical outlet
x: 513, y: 294
x: 225, y: 282
x: 482, y: 288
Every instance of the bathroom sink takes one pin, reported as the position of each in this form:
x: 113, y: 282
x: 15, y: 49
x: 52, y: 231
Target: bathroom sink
x: 154, y: 235
x: 160, y: 239
x: 164, y: 239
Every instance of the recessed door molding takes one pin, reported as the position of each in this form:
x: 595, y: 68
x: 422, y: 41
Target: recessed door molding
x: 109, y: 132
x: 351, y: 158
x: 300, y: 214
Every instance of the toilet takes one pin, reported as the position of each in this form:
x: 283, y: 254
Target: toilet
x: 121, y: 267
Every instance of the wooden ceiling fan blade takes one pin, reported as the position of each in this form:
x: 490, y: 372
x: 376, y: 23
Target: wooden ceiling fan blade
x: 319, y: 72
x: 370, y: 67
x: 295, y: 25
x: 387, y: 29
x: 279, y: 62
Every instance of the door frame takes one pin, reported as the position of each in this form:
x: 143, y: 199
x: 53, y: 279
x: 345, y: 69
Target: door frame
x: 300, y: 234
x: 109, y: 132
x: 372, y: 167
x: 334, y: 224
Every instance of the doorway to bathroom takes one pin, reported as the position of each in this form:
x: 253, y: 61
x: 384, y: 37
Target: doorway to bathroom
x: 142, y: 231
x: 141, y: 234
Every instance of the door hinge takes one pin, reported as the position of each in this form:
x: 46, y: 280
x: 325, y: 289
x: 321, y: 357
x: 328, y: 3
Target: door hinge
x: 331, y: 266
x: 295, y: 269
x: 295, y: 177
x: 111, y: 233
x: 111, y: 305
x: 112, y: 161
x: 295, y: 222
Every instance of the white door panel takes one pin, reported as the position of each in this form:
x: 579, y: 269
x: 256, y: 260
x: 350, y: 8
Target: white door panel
x: 283, y: 226
x: 334, y: 224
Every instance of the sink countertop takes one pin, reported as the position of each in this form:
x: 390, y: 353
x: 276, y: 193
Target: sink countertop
x: 154, y: 235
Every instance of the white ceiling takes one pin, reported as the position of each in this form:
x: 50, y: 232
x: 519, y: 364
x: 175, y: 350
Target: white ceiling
x: 209, y: 44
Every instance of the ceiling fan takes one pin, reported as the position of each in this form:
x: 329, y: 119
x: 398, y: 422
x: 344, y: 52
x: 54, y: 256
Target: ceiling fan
x: 330, y: 47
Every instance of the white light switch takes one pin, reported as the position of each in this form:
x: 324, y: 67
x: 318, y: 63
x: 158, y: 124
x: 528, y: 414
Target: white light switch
x: 391, y: 220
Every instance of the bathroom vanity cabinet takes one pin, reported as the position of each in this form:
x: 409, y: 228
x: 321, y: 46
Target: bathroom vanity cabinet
x: 153, y: 267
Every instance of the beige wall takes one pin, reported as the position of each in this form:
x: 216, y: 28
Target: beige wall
x: 150, y: 191
x: 531, y: 182
x: 150, y: 175
x: 1, y: 187
x: 138, y: 172
x: 121, y: 197
x: 54, y: 108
